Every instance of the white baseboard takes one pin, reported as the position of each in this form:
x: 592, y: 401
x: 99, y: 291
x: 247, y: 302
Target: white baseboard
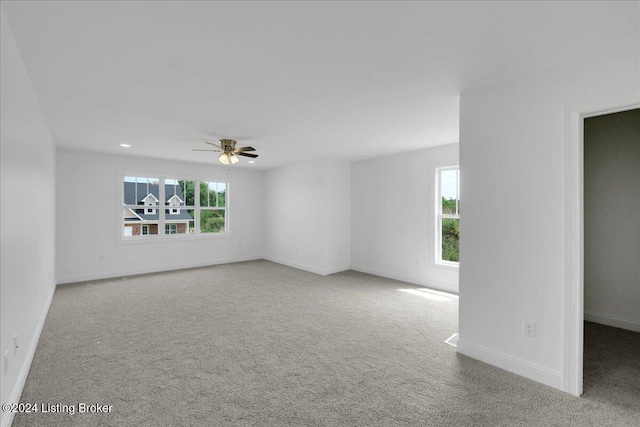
x: 26, y: 366
x: 158, y: 269
x: 512, y: 364
x: 611, y: 320
x: 442, y: 286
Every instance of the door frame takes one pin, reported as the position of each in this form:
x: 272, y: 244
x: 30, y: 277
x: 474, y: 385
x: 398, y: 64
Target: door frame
x: 574, y: 116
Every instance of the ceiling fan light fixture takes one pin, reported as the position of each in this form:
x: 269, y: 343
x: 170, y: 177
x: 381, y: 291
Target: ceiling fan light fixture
x: 229, y: 151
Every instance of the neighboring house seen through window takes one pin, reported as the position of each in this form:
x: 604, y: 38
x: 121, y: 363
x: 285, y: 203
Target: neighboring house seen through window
x: 448, y: 215
x: 187, y: 211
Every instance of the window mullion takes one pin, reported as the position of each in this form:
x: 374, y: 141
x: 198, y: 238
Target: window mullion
x: 161, y: 205
x: 196, y: 202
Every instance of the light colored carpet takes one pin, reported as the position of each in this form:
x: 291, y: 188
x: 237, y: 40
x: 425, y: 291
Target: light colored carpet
x: 261, y: 344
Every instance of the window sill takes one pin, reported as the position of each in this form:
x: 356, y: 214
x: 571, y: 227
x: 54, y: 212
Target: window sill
x: 171, y: 238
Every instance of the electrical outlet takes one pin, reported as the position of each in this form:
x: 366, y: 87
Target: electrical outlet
x: 529, y: 329
x: 15, y: 344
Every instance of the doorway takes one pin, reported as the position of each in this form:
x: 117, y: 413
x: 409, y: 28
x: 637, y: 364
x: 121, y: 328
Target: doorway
x: 574, y: 116
x: 611, y: 246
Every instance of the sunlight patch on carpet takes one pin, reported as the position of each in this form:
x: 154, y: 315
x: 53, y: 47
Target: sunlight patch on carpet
x: 431, y: 294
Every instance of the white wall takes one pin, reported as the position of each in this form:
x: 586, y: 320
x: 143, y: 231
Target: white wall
x: 393, y: 217
x: 28, y: 218
x: 87, y: 227
x: 308, y: 217
x: 512, y: 174
x: 612, y: 219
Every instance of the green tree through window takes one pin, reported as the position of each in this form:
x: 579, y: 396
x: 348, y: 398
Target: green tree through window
x: 451, y: 239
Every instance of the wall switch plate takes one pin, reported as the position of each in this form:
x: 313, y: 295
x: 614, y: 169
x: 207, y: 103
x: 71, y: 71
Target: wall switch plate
x: 529, y: 329
x: 15, y: 344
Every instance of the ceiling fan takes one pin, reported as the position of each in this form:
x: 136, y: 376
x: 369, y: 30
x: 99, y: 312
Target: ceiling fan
x: 229, y: 151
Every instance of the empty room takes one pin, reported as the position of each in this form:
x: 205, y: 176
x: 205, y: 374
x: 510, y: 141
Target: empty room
x: 320, y: 213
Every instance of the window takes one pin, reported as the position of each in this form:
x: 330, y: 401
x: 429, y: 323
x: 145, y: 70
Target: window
x: 213, y: 207
x: 186, y: 211
x: 448, y: 215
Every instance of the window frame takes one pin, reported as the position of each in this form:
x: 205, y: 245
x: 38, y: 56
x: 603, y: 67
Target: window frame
x: 165, y: 217
x: 439, y: 216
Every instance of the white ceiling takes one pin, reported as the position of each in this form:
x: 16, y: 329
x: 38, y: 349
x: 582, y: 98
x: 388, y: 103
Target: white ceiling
x: 296, y: 80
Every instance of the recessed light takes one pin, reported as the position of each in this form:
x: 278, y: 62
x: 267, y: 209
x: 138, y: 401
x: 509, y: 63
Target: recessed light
x: 252, y: 161
x: 125, y: 145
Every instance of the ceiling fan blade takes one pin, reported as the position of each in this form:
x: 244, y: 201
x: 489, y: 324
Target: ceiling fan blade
x: 211, y: 143
x: 253, y: 156
x: 198, y: 149
x: 244, y: 149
